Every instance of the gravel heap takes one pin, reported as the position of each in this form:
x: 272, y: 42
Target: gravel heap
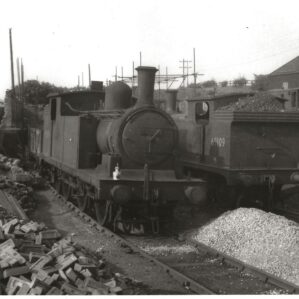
x: 260, y: 102
x: 264, y: 240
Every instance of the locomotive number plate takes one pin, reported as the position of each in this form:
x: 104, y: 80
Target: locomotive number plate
x: 219, y: 141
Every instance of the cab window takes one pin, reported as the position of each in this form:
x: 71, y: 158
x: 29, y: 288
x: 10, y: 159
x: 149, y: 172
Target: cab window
x: 202, y: 111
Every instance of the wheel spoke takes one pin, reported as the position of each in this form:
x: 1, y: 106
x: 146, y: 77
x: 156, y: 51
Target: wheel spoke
x: 67, y: 191
x: 82, y: 201
x: 102, y: 211
x: 57, y: 186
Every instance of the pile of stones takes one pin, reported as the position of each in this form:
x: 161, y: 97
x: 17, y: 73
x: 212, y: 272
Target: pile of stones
x: 264, y: 240
x: 35, y: 260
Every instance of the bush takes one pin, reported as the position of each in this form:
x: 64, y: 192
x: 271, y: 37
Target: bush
x: 224, y: 83
x: 261, y: 82
x: 241, y: 81
x: 209, y: 83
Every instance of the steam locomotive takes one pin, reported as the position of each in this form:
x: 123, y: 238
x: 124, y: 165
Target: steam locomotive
x: 247, y: 158
x: 115, y: 155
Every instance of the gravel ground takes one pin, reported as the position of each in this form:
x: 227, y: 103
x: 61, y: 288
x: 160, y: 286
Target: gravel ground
x: 162, y: 246
x: 122, y: 259
x: 261, y: 239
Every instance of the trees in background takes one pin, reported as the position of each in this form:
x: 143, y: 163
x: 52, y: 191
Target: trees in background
x: 261, y: 82
x: 209, y: 83
x: 239, y: 82
x: 35, y: 92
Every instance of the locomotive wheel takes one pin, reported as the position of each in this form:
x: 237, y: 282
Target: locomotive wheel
x: 127, y: 226
x: 103, y: 209
x: 82, y: 200
x: 57, y: 186
x: 226, y: 196
x: 66, y: 191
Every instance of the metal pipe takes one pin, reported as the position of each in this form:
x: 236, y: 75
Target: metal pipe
x: 146, y: 84
x: 19, y: 79
x: 22, y: 81
x: 11, y: 64
x: 89, y: 76
x: 170, y: 101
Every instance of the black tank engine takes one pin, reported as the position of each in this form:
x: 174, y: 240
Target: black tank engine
x: 115, y: 155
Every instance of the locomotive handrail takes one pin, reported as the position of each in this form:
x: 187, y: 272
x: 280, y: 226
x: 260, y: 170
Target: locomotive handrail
x: 98, y: 113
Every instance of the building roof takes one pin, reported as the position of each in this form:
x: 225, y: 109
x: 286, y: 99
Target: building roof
x: 290, y: 67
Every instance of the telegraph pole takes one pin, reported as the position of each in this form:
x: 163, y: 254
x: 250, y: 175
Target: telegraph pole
x: 194, y: 71
x: 140, y: 58
x: 19, y: 79
x: 115, y: 76
x: 11, y: 64
x: 89, y: 75
x: 185, y: 67
x: 122, y: 74
x: 159, y: 82
x: 22, y: 80
x: 133, y: 69
x: 166, y: 78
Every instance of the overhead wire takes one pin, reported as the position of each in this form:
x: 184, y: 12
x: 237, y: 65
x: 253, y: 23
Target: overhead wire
x: 252, y: 60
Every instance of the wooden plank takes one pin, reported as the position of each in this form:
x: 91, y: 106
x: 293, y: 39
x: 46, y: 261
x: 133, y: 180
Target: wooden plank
x: 11, y: 205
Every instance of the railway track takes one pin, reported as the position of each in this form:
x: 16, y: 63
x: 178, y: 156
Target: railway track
x: 194, y: 271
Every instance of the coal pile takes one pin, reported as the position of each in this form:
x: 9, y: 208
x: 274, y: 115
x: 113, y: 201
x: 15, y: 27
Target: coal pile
x: 260, y: 102
x: 34, y: 260
x: 264, y: 240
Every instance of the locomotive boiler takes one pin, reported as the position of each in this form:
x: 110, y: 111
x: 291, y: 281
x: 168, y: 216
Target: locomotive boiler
x: 115, y: 155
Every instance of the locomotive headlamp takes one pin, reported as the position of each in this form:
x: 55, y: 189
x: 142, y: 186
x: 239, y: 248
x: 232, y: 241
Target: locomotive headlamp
x: 121, y: 194
x: 294, y: 177
x: 197, y: 195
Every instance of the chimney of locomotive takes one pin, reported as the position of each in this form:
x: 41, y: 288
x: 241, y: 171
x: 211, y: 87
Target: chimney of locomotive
x: 146, y: 84
x: 170, y: 101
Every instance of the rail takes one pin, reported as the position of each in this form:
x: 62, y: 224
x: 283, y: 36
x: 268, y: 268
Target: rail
x: 186, y: 281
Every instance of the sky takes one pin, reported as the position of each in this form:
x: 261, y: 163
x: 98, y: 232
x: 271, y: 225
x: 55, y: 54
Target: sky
x: 58, y: 39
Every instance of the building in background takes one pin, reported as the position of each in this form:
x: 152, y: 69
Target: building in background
x: 284, y: 82
x: 285, y: 77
